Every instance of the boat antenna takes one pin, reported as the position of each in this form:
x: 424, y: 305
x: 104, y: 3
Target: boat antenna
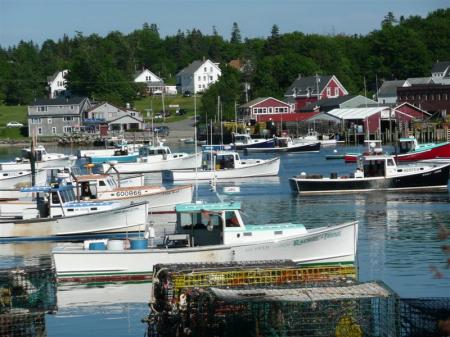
x: 195, y: 146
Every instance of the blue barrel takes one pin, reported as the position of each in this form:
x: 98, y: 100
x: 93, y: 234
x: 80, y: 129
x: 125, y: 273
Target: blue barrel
x: 97, y: 246
x: 138, y: 243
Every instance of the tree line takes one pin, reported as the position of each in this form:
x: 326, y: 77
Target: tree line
x: 103, y: 67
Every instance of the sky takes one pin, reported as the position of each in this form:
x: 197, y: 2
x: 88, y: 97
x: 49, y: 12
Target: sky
x: 39, y: 20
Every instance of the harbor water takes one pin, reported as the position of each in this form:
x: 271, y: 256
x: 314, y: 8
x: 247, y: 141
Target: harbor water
x: 398, y: 242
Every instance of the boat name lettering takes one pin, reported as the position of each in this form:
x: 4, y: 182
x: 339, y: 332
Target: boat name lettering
x: 323, y: 236
x: 128, y: 193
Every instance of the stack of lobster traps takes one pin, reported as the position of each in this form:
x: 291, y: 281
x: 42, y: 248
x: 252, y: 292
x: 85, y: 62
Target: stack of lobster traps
x: 26, y: 294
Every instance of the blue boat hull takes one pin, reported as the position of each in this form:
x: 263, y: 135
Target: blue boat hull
x: 268, y: 144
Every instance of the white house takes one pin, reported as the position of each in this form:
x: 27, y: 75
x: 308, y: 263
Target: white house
x: 440, y: 73
x: 198, y: 76
x: 57, y: 83
x: 155, y: 84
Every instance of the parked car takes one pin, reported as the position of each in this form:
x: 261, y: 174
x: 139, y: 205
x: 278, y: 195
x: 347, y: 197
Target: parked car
x: 161, y: 130
x: 187, y: 93
x: 14, y: 125
x: 181, y: 112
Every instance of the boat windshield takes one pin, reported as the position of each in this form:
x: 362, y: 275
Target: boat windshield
x: 67, y: 195
x: 225, y: 161
x: 406, y: 146
x: 374, y: 168
x: 199, y: 220
x: 241, y: 139
x: 150, y: 151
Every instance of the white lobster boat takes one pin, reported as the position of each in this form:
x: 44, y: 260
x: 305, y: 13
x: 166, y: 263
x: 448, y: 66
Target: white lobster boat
x: 208, y: 233
x: 43, y: 159
x: 56, y: 212
x: 156, y: 159
x: 15, y: 179
x: 226, y: 165
x: 102, y: 187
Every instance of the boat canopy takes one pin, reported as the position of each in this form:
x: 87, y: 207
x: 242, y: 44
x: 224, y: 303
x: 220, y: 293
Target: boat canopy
x: 47, y: 189
x: 223, y: 206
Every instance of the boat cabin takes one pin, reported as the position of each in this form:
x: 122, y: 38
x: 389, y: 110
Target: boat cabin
x: 90, y: 185
x: 242, y: 138
x: 146, y: 151
x: 407, y: 144
x: 376, y: 166
x: 204, y: 224
x: 283, y: 141
x: 220, y: 160
x: 59, y: 201
x: 208, y: 224
x: 40, y: 153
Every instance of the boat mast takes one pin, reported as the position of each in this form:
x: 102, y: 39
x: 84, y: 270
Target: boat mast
x: 195, y: 145
x: 33, y: 161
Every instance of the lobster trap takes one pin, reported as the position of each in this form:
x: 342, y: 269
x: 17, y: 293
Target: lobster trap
x: 173, y: 282
x: 31, y: 288
x: 23, y: 323
x: 425, y: 317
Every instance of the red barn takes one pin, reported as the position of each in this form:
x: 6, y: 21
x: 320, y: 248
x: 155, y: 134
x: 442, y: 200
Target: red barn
x: 407, y: 111
x: 264, y: 106
x: 314, y: 88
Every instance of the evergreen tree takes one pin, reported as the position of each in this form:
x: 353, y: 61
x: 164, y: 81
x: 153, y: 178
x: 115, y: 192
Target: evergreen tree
x: 235, y: 34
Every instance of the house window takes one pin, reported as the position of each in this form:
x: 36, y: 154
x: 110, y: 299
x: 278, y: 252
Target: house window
x: 53, y: 131
x: 132, y: 114
x: 210, y: 69
x: 199, y: 86
x: 199, y: 78
x: 204, y: 78
x: 67, y: 129
x: 205, y: 69
x: 49, y: 121
x: 36, y: 121
x: 68, y: 119
x: 71, y: 107
x: 39, y: 131
x: 336, y: 91
x: 42, y: 108
x: 270, y: 110
x: 210, y: 78
x: 328, y: 91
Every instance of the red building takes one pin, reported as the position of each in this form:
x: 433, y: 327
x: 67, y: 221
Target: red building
x: 314, y: 88
x: 434, y: 98
x: 264, y: 106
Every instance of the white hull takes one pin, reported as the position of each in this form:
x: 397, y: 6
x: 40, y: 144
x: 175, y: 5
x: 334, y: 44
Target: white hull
x: 14, y: 166
x: 99, y: 222
x: 254, y: 168
x: 159, y: 163
x: 323, y: 245
x: 16, y: 179
x: 161, y: 201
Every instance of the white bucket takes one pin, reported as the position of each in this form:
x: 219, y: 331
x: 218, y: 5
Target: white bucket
x: 115, y: 245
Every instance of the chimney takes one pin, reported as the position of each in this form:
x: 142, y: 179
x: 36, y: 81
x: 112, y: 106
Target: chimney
x: 204, y: 59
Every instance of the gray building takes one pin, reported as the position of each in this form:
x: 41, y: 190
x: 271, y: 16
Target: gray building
x: 116, y: 118
x: 55, y: 117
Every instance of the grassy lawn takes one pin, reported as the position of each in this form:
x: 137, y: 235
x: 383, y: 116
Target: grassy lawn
x: 13, y: 113
x: 16, y: 114
x: 155, y: 103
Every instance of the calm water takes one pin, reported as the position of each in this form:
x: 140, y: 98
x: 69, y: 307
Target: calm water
x: 398, y: 243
